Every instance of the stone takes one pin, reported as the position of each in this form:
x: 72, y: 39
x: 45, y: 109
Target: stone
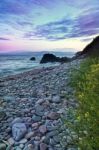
x: 11, y: 141
x: 2, y: 114
x: 43, y: 138
x: 39, y: 113
x: 53, y: 115
x: 39, y: 107
x: 30, y: 147
x: 9, y: 98
x: 43, y: 146
x: 29, y: 135
x: 8, y: 130
x: 16, y: 120
x: 39, y: 110
x: 18, y: 148
x: 51, y: 128
x: 37, y: 138
x: 62, y: 111
x: 36, y: 118
x: 52, y: 133
x: 18, y: 131
x: 23, y: 141
x: 21, y: 146
x: 2, y: 146
x: 43, y: 129
x: 52, y: 142
x: 35, y: 125
x: 56, y: 99
x: 56, y: 139
x: 27, y: 120
x: 40, y: 101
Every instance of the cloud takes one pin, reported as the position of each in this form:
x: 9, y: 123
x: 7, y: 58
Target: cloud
x: 84, y: 25
x: 51, y: 31
x: 44, y: 19
x: 4, y: 39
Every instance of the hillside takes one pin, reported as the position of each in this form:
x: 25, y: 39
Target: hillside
x: 91, y: 49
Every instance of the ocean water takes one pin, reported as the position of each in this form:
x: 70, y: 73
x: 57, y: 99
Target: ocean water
x: 11, y: 64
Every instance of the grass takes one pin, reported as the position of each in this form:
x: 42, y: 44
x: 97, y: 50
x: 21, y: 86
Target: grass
x: 86, y: 125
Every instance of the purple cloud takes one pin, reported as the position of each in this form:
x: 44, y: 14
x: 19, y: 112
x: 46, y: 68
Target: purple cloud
x: 4, y: 39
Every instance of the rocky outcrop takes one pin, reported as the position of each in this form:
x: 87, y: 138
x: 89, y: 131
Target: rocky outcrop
x: 33, y: 58
x: 91, y: 49
x: 52, y: 58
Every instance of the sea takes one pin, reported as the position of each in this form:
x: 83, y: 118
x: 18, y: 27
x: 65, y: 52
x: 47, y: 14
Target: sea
x: 15, y: 63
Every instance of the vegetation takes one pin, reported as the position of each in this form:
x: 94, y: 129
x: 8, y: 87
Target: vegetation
x: 86, y: 125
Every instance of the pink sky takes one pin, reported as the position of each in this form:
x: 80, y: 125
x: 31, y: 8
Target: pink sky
x: 39, y: 45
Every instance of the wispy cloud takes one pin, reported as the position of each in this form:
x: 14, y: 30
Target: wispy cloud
x: 4, y: 39
x: 50, y: 20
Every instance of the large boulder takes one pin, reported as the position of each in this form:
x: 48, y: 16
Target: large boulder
x: 33, y: 58
x: 52, y: 58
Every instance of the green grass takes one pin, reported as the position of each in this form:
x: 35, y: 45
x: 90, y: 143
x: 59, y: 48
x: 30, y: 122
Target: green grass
x: 86, y: 83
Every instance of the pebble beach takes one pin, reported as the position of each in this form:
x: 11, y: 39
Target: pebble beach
x: 33, y: 104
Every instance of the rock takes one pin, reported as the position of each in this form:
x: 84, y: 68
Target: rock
x: 21, y: 146
x: 2, y: 114
x: 56, y: 99
x: 62, y: 111
x: 51, y: 128
x: 43, y: 129
x: 53, y: 115
x: 2, y: 146
x: 18, y: 131
x: 18, y: 148
x: 43, y: 146
x: 29, y: 135
x: 40, y: 101
x: 39, y: 110
x: 11, y: 141
x: 17, y: 120
x: 8, y: 130
x: 52, y: 133
x: 33, y: 58
x: 48, y: 58
x: 52, y: 58
x: 39, y: 113
x: 23, y: 141
x: 35, y: 125
x: 56, y: 139
x: 37, y: 138
x: 36, y: 118
x: 29, y: 147
x: 52, y: 142
x: 9, y: 98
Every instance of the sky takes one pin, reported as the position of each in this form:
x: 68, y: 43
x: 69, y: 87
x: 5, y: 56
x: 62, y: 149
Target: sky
x: 35, y: 25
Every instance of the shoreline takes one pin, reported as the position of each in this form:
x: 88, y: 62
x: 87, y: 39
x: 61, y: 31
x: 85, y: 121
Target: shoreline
x: 31, y: 72
x: 36, y: 100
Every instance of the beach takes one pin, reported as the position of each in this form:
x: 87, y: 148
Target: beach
x: 33, y: 103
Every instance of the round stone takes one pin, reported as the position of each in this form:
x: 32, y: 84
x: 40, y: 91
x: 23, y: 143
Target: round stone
x: 43, y: 129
